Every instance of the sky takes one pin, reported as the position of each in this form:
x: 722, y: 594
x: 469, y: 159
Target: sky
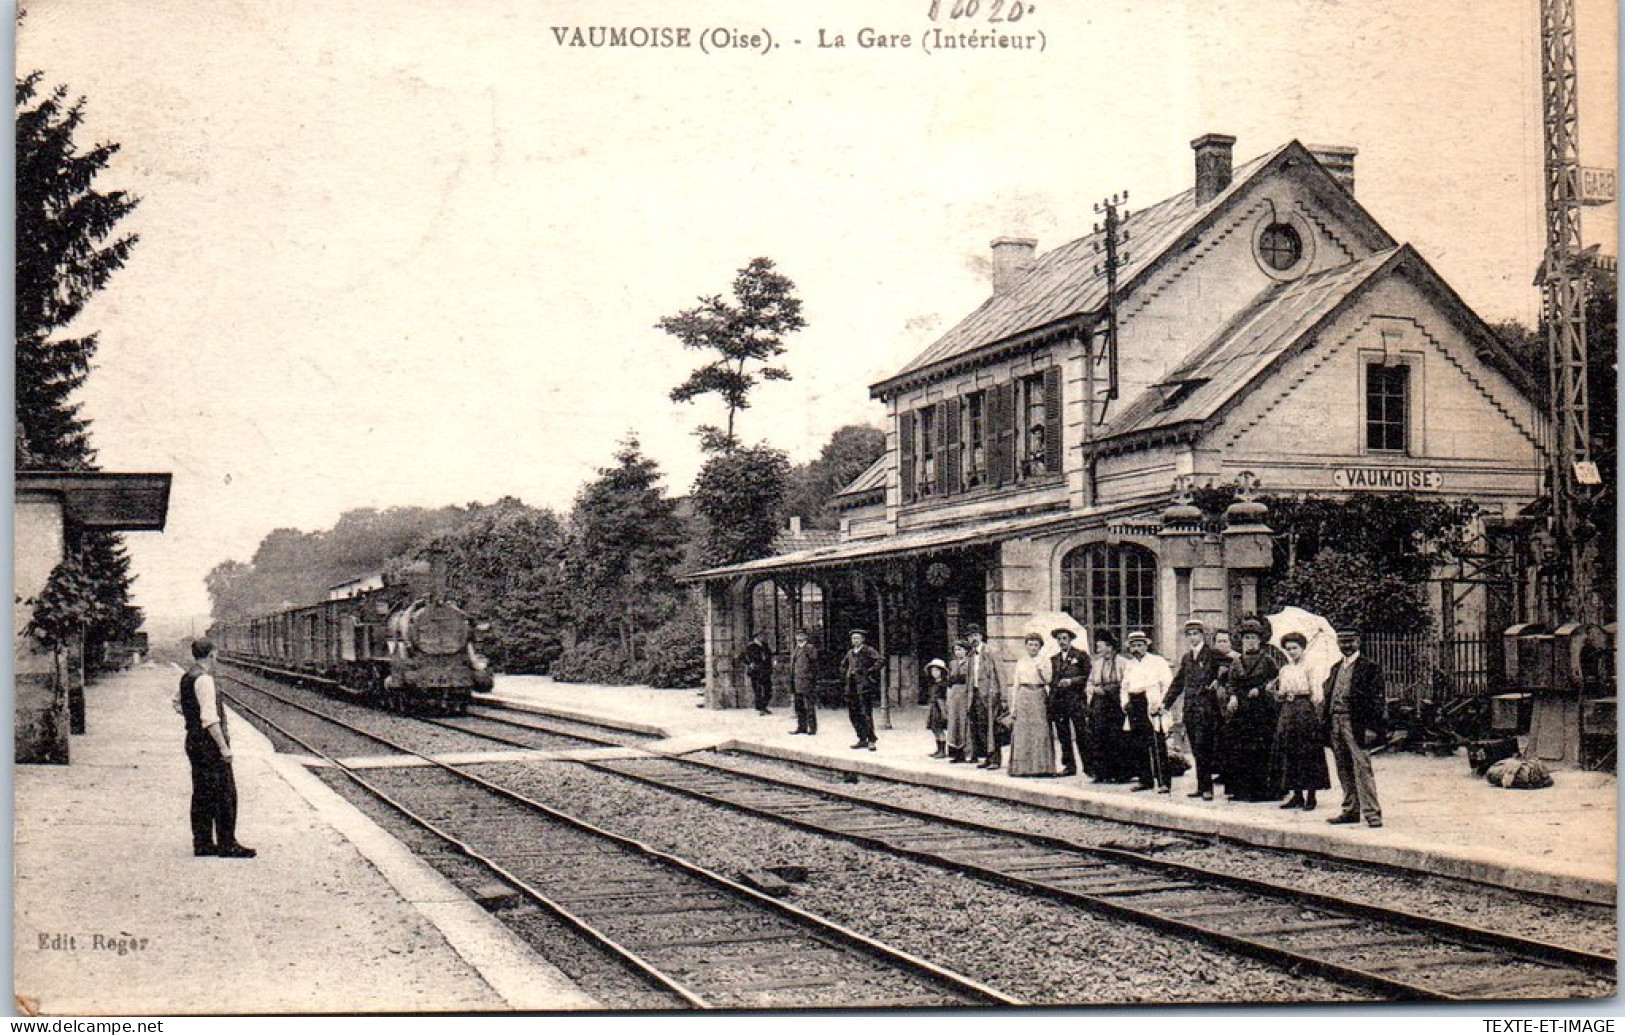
x: 402, y: 252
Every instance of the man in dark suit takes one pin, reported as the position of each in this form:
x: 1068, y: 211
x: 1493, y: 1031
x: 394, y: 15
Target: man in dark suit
x: 860, y: 679
x: 987, y: 698
x: 1355, y: 717
x: 1069, y: 674
x: 804, y: 683
x: 1195, y: 683
x: 758, y: 663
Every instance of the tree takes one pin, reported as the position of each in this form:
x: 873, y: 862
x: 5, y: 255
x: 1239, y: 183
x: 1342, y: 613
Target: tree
x: 850, y: 451
x: 67, y: 250
x: 505, y: 564
x: 625, y: 542
x: 739, y: 495
x: 750, y: 330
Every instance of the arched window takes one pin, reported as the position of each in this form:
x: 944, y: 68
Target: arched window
x: 1111, y: 587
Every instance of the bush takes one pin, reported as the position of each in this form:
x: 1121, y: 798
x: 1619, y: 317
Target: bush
x: 674, y: 654
x: 589, y: 662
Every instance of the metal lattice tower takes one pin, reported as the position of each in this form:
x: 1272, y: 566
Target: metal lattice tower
x: 1563, y: 287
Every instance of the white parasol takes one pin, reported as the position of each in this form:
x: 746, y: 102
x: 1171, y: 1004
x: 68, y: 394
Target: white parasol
x: 1321, y: 653
x: 1046, y: 622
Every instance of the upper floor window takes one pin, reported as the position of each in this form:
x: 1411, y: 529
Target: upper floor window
x: 997, y: 436
x: 928, y: 451
x: 1034, y: 444
x: 975, y: 439
x: 1387, y: 407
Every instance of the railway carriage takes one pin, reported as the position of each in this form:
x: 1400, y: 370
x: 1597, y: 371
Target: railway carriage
x: 403, y: 645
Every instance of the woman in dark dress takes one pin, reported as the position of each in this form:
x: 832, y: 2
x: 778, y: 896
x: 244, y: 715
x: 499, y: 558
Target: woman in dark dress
x: 1250, y: 730
x: 1298, y: 759
x: 1108, y: 760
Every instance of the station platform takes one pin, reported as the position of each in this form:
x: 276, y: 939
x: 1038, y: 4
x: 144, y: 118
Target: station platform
x: 1438, y: 817
x: 114, y: 916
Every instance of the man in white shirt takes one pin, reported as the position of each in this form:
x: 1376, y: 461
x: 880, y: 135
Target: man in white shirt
x: 1145, y: 680
x: 208, y: 748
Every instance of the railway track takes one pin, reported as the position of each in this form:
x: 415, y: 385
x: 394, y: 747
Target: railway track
x: 701, y: 939
x: 1383, y: 950
x: 1378, y: 949
x: 1388, y: 951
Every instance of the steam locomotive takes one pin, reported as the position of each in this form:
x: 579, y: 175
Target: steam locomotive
x: 401, y: 645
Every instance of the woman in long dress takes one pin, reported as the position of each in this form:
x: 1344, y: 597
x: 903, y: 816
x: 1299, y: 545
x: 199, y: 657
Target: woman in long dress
x: 1032, y: 737
x: 1298, y: 760
x: 1250, y: 731
x: 1107, y: 761
x: 958, y: 708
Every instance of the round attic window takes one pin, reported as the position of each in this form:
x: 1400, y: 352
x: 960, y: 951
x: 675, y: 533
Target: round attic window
x: 1280, y: 246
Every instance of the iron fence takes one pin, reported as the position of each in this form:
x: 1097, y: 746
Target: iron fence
x: 1425, y: 666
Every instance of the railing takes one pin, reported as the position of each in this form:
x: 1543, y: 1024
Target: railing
x: 1424, y: 666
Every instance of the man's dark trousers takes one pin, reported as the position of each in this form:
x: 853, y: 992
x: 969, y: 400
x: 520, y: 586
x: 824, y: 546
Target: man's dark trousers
x: 762, y: 687
x: 1067, y: 715
x: 861, y: 708
x: 806, y: 703
x: 214, y: 794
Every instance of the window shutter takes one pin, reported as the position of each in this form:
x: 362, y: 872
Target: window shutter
x: 905, y: 454
x: 1002, y: 434
x: 1052, y: 420
x: 952, y: 451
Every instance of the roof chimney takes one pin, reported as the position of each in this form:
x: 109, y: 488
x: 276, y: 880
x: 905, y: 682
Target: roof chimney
x: 1213, y: 163
x: 1337, y: 160
x: 1012, y: 258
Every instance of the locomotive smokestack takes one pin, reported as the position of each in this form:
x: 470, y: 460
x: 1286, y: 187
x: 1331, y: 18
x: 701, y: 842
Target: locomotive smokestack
x: 437, y: 573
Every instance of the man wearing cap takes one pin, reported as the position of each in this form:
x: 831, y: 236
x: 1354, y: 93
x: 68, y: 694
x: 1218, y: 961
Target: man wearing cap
x: 1069, y: 675
x: 860, y: 679
x: 1355, y: 704
x: 804, y: 684
x: 1145, y: 682
x: 988, y: 694
x: 1195, y: 683
x: 208, y: 749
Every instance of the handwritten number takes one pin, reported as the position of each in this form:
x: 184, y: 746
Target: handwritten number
x: 993, y: 15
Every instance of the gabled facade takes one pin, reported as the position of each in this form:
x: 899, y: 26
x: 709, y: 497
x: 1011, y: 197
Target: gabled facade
x: 1269, y: 331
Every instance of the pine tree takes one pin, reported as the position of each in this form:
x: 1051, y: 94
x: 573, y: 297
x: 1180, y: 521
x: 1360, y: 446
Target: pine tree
x: 66, y: 252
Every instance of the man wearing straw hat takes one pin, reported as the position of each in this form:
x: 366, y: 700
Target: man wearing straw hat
x: 1069, y: 675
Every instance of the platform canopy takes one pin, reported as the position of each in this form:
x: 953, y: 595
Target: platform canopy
x: 103, y: 501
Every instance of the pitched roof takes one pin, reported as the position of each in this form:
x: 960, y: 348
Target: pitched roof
x: 1240, y: 354
x: 872, y: 478
x: 1245, y: 347
x: 1063, y: 283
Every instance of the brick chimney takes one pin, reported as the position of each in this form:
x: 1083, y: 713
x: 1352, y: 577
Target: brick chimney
x: 1012, y: 258
x: 1213, y: 165
x: 1337, y: 160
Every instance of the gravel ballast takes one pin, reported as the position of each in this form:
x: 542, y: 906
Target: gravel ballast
x: 1036, y: 950
x: 1580, y: 925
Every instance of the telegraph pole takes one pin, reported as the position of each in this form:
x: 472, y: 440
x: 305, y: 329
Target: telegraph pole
x: 1571, y: 471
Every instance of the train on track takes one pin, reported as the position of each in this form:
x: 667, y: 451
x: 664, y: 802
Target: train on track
x: 403, y: 645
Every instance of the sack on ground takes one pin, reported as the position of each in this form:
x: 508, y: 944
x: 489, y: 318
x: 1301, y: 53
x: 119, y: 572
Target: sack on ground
x: 1519, y: 773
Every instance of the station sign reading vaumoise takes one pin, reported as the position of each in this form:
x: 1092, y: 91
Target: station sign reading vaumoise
x: 1399, y: 479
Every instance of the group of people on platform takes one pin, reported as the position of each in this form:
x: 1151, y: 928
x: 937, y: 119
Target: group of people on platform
x: 1255, y: 719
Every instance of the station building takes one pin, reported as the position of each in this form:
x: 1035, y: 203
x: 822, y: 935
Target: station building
x: 1270, y: 334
